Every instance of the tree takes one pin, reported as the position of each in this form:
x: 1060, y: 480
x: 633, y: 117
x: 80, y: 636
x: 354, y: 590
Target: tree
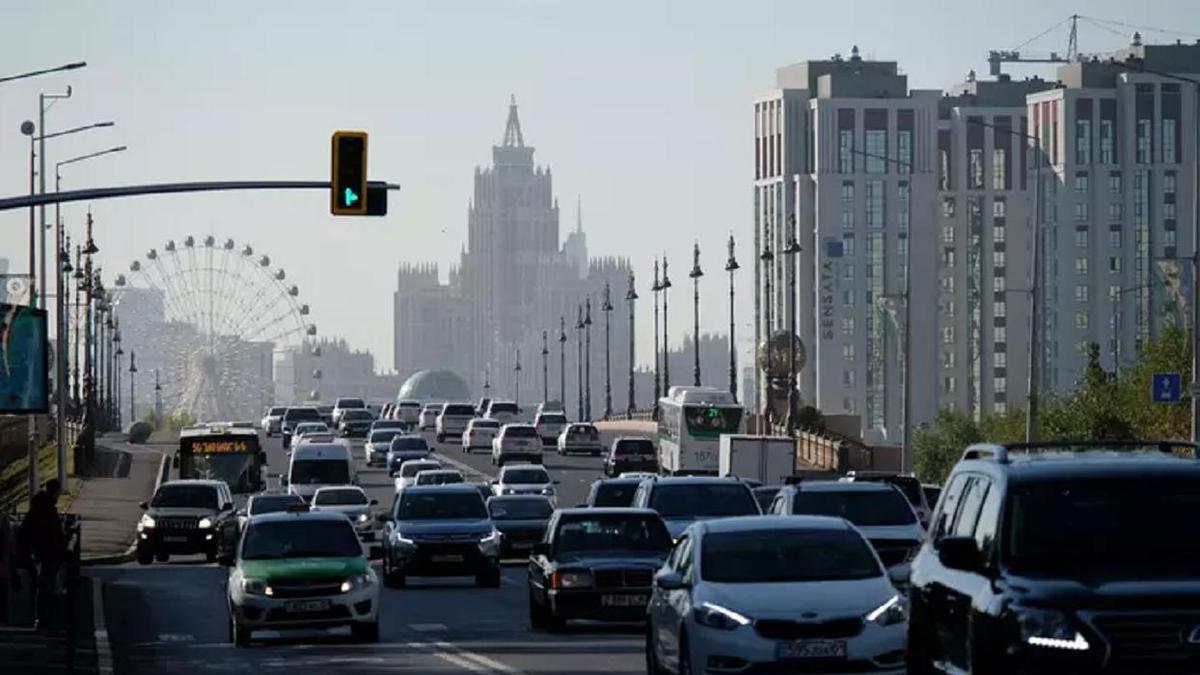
x: 937, y: 448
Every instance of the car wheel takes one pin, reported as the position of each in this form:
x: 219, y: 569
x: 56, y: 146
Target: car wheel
x: 239, y: 636
x: 653, y: 667
x: 162, y: 557
x: 365, y: 631
x: 685, y: 656
x: 210, y: 556
x: 145, y: 556
x: 537, y: 614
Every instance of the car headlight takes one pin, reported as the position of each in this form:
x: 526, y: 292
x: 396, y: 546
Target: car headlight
x: 362, y: 517
x: 571, y: 580
x: 147, y: 521
x: 889, y: 613
x: 716, y: 616
x: 257, y: 587
x: 205, y: 523
x: 547, y: 490
x: 359, y: 581
x: 1049, y: 628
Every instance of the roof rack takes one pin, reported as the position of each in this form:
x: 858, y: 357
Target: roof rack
x: 999, y: 453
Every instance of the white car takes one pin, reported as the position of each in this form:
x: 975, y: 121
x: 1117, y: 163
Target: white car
x: 272, y: 419
x: 375, y: 450
x: 453, y: 420
x: 479, y: 434
x: 516, y: 443
x: 306, y: 429
x: 352, y: 502
x: 524, y: 479
x: 341, y: 405
x: 439, y: 477
x: 580, y: 437
x: 503, y: 412
x: 427, y: 421
x: 407, y: 411
x: 549, y: 425
x: 766, y: 592
x: 407, y: 475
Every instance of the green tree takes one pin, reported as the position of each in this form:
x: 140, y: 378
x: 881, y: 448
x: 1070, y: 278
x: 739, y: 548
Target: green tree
x: 179, y: 419
x: 937, y: 449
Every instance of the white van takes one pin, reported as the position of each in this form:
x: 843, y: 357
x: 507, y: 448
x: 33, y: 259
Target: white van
x: 316, y: 465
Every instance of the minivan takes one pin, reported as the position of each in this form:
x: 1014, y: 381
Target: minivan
x: 316, y: 465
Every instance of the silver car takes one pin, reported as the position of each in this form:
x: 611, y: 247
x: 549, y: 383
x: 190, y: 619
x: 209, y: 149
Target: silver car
x: 352, y: 502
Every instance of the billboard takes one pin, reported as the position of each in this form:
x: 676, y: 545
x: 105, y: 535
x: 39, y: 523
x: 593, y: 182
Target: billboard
x: 24, y: 364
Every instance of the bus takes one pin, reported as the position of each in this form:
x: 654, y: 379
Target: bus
x: 690, y: 423
x: 222, y: 451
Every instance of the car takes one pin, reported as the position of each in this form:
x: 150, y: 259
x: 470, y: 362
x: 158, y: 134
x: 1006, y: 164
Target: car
x: 628, y: 454
x: 272, y: 419
x: 524, y: 479
x: 385, y: 424
x: 764, y: 595
x: 551, y: 406
x: 427, y: 421
x: 580, y: 437
x: 293, y: 417
x: 315, y: 437
x: 932, y: 493
x: 375, y: 450
x: 479, y: 434
x: 341, y: 405
x: 909, y: 486
x: 440, y: 531
x: 521, y: 520
x: 312, y: 466
x: 306, y: 429
x: 352, y: 502
x: 452, y: 421
x: 612, y: 492
x: 355, y: 422
x: 408, y: 411
x: 406, y: 475
x: 764, y: 495
x: 481, y: 408
x: 878, y: 510
x: 301, y: 570
x: 503, y: 412
x: 439, y: 477
x: 595, y: 564
x: 385, y: 412
x: 516, y: 443
x: 326, y: 413
x: 682, y: 500
x: 186, y: 517
x: 1061, y: 557
x: 549, y: 425
x: 405, y: 447
x: 259, y: 504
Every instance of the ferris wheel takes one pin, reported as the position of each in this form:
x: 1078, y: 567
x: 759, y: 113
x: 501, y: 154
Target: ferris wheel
x: 210, y: 318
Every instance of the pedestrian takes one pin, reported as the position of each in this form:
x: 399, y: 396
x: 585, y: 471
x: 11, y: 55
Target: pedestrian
x: 43, y: 537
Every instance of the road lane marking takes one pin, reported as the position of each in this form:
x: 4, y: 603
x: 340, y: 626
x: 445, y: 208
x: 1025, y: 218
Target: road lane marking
x: 427, y: 627
x: 492, y: 665
x: 466, y: 470
x: 450, y: 658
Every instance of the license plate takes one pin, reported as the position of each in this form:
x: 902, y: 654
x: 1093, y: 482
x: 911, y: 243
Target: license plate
x: 307, y: 605
x: 446, y: 558
x: 622, y: 601
x: 811, y: 649
x: 175, y: 540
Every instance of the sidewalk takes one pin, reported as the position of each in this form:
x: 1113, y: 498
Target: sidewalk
x: 108, y: 502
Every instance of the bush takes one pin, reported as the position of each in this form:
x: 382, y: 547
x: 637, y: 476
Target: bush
x: 140, y: 431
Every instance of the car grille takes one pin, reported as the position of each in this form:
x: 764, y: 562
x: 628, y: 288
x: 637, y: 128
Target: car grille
x: 335, y: 612
x: 1149, y: 638
x: 305, y: 589
x: 778, y: 629
x: 177, y: 523
x: 632, y: 578
x: 439, y: 538
x: 524, y: 535
x: 895, y: 551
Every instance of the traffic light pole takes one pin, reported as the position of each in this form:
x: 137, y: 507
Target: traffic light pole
x: 92, y: 194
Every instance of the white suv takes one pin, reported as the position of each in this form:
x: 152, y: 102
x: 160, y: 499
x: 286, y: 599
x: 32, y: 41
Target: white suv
x: 524, y: 479
x: 517, y: 443
x: 453, y: 420
x: 549, y: 425
x: 480, y: 433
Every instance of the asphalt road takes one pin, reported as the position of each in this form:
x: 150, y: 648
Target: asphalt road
x: 171, y: 618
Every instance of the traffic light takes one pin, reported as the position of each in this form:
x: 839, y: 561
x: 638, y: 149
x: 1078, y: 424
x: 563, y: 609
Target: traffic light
x: 348, y: 183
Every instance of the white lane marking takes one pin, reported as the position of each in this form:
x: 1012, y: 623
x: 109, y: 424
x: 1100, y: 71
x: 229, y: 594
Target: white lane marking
x: 450, y: 658
x: 427, y: 627
x: 491, y: 664
x: 465, y: 469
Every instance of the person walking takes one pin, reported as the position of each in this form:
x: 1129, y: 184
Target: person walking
x: 45, y: 541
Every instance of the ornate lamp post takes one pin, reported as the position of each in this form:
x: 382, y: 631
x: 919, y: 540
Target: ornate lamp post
x: 607, y: 308
x: 562, y: 361
x: 767, y: 257
x: 793, y: 247
x: 132, y: 376
x: 545, y: 369
x: 517, y: 378
x: 587, y: 364
x: 731, y: 266
x: 664, y: 285
x: 579, y: 358
x: 695, y: 275
x: 80, y: 291
x: 630, y: 296
x: 657, y: 288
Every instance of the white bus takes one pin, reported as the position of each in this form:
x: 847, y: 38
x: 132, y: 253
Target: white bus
x: 690, y: 423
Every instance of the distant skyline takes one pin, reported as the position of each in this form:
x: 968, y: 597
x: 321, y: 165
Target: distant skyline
x: 642, y: 109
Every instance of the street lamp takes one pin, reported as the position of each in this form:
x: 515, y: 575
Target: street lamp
x: 767, y: 257
x: 35, y: 73
x: 607, y: 308
x: 517, y: 377
x: 793, y: 247
x: 28, y: 128
x: 132, y: 376
x: 545, y: 369
x: 657, y: 288
x: 630, y: 295
x: 562, y: 360
x: 579, y: 357
x: 695, y: 275
x: 731, y: 266
x: 664, y: 285
x: 587, y: 364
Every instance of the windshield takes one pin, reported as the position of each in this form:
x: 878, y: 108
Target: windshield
x: 703, y: 500
x: 410, y: 469
x: 302, y: 415
x: 581, y: 430
x: 499, y: 407
x: 410, y: 404
x: 520, y: 508
x: 439, y: 477
x: 518, y: 476
x: 409, y: 443
x: 615, y: 494
x: 340, y: 497
x: 711, y: 421
x: 461, y: 409
x: 350, y: 403
x: 634, y: 447
x: 440, y: 506
x: 522, y: 431
x: 239, y: 470
x: 864, y: 509
x: 909, y: 485
x: 311, y: 428
x: 301, y: 538
x: 272, y: 503
x: 485, y: 424
x: 381, y: 425
x: 276, y: 411
x: 186, y: 497
x: 358, y: 415
x: 384, y: 437
x: 782, y: 555
x: 320, y: 472
x: 613, y: 534
x: 1104, y: 524
x: 552, y: 418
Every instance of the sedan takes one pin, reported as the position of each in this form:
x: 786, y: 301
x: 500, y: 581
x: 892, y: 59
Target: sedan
x: 524, y: 479
x: 521, y: 520
x: 351, y: 502
x: 428, y: 418
x: 764, y: 594
x: 404, y: 448
x: 407, y: 474
x: 355, y: 422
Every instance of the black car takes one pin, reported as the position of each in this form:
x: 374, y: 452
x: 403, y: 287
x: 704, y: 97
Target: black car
x: 595, y: 564
x: 630, y: 453
x: 616, y: 492
x: 764, y: 495
x: 521, y: 520
x: 440, y: 531
x: 1062, y: 558
x: 186, y: 517
x: 263, y: 503
x: 355, y: 422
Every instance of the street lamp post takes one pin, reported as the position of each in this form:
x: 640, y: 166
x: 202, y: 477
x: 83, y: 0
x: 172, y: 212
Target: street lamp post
x: 731, y: 266
x: 695, y: 275
x: 579, y: 358
x: 132, y: 376
x: 157, y: 400
x: 767, y: 256
x: 562, y: 361
x: 657, y: 287
x: 630, y: 296
x: 28, y: 129
x: 79, y: 291
x: 664, y: 285
x: 587, y: 364
x: 607, y: 309
x: 517, y: 378
x: 545, y: 369
x: 793, y: 247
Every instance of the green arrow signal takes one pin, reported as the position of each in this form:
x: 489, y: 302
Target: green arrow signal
x: 349, y: 197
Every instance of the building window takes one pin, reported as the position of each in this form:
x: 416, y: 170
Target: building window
x: 1083, y: 141
x: 1169, y: 210
x: 1106, y: 142
x: 848, y: 245
x: 848, y: 218
x: 848, y: 352
x: 999, y: 207
x: 998, y: 284
x: 1081, y: 320
x: 948, y: 258
x: 999, y: 163
x: 1081, y: 266
x: 947, y: 284
x: 948, y: 359
x: 1081, y: 293
x: 902, y: 195
x: 998, y: 258
x: 847, y: 325
x: 848, y: 192
x: 1169, y: 182
x: 975, y: 169
x: 1081, y: 238
x: 876, y: 152
x: 1114, y: 181
x: 948, y: 207
x: 948, y: 385
x: 999, y: 233
x: 1000, y: 384
x: 848, y: 272
x: 1081, y: 210
x: 846, y: 141
x: 1114, y: 265
x: 904, y: 149
x: 848, y: 378
x: 948, y: 335
x: 1143, y: 141
x: 1114, y: 212
x: 1000, y: 333
x: 1000, y: 360
x: 1169, y: 238
x: 848, y: 298
x: 999, y: 309
x: 948, y: 234
x: 1114, y: 238
x: 1169, y: 130
x: 850, y: 406
x: 1081, y: 184
x: 875, y: 203
x: 1000, y: 407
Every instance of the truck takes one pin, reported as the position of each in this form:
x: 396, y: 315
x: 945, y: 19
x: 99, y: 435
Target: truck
x: 767, y: 459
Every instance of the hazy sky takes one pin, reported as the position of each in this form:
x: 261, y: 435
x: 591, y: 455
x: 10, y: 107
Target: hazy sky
x: 642, y: 108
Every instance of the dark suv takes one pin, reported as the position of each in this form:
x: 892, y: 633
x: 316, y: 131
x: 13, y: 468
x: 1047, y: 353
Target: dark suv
x: 1062, y: 558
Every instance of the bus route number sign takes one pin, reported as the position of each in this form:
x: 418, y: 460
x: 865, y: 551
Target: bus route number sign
x: 219, y: 447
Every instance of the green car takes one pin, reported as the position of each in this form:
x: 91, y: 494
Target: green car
x: 301, y: 570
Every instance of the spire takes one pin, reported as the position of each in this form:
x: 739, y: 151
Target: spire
x: 578, y: 213
x: 512, y: 128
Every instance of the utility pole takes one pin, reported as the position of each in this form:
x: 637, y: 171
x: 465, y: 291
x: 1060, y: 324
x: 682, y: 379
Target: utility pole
x: 579, y: 358
x: 545, y: 369
x: 587, y: 364
x: 562, y: 361
x: 767, y: 256
x: 731, y: 266
x: 1031, y: 409
x: 630, y: 296
x: 790, y: 251
x: 666, y: 284
x: 657, y: 287
x: 607, y: 309
x: 695, y: 275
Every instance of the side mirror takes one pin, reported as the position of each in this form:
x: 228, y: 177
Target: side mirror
x: 225, y: 560
x: 541, y: 548
x: 960, y: 553
x: 670, y: 581
x: 376, y: 553
x: 144, y: 505
x: 374, y: 502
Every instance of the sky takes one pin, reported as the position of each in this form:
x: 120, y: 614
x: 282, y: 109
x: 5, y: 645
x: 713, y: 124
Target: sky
x: 642, y: 110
